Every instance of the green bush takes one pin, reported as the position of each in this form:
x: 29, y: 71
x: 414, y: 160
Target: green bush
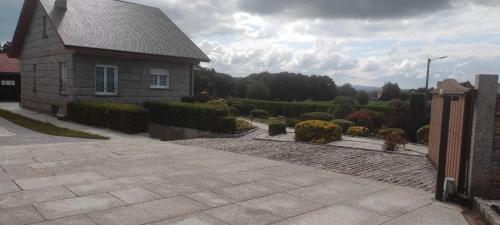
x: 317, y: 131
x: 345, y: 124
x: 416, y: 116
x: 220, y: 103
x: 382, y: 133
x: 316, y: 116
x: 192, y: 115
x: 423, y: 135
x: 287, y: 109
x: 342, y: 111
x: 233, y: 111
x: 244, y: 108
x: 357, y: 131
x: 379, y: 119
x: 276, y: 128
x: 199, y: 98
x: 340, y: 100
x: 290, y: 122
x: 128, y: 118
x: 259, y: 113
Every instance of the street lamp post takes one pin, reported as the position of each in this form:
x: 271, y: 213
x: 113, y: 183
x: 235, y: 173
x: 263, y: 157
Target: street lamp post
x: 429, y: 60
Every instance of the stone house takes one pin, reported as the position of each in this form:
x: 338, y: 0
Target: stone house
x: 100, y: 50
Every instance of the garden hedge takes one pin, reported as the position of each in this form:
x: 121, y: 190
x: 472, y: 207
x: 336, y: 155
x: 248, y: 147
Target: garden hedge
x: 128, y: 118
x: 345, y: 124
x: 317, y: 131
x: 316, y: 116
x: 287, y: 109
x: 192, y: 115
x: 276, y: 128
x: 259, y: 113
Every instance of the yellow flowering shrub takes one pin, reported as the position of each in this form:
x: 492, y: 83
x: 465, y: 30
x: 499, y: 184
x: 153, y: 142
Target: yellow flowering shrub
x: 358, y: 131
x: 317, y: 131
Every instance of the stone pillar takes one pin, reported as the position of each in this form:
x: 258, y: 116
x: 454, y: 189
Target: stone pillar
x: 483, y: 131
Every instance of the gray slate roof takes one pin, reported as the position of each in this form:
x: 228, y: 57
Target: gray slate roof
x: 121, y: 26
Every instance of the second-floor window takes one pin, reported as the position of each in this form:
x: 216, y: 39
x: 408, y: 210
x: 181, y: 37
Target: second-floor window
x: 106, y: 80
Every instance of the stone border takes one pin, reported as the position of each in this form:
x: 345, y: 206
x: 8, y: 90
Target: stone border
x: 172, y: 133
x: 484, y: 208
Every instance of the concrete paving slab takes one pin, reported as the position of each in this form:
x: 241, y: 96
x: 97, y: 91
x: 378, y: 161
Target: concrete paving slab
x: 15, y: 199
x: 79, y: 205
x: 147, y: 212
x: 72, y: 220
x: 283, y: 205
x: 102, y: 186
x: 210, y: 198
x: 245, y: 191
x: 196, y: 219
x: 430, y: 215
x: 332, y: 192
x: 20, y: 215
x: 393, y: 202
x: 308, y: 179
x: 239, y: 215
x: 172, y: 188
x: 8, y: 186
x: 76, y: 178
x: 135, y: 195
x: 335, y: 215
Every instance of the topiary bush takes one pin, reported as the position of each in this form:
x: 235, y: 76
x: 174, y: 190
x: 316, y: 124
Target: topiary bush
x: 192, y: 115
x: 360, y: 118
x: 342, y: 111
x: 317, y: 131
x: 382, y: 133
x: 259, y: 113
x: 394, y: 142
x: 276, y: 128
x: 316, y: 116
x: 423, y: 135
x: 233, y: 111
x: 379, y: 119
x: 416, y: 116
x: 291, y: 122
x: 357, y: 131
x: 220, y: 103
x: 345, y: 124
x: 128, y: 118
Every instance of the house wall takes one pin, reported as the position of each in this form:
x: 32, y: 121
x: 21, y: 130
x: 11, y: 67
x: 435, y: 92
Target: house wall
x: 134, y: 80
x: 494, y: 189
x: 46, y: 53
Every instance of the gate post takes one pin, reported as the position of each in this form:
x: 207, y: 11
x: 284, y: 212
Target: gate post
x: 483, y: 130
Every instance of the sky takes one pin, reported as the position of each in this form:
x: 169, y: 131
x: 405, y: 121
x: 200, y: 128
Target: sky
x: 362, y: 42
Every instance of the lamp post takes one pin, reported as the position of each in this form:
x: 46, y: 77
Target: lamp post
x: 429, y: 60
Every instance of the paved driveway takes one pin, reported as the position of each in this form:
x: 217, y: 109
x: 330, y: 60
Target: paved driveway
x: 142, y: 181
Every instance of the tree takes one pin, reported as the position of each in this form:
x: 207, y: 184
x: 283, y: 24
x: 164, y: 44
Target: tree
x: 363, y: 97
x: 390, y: 91
x: 5, y: 47
x: 257, y: 90
x: 347, y: 90
x: 416, y: 116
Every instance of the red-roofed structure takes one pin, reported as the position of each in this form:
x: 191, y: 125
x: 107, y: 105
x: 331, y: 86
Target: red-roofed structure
x: 10, y: 84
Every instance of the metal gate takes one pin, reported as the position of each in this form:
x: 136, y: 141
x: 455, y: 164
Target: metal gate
x: 450, y: 133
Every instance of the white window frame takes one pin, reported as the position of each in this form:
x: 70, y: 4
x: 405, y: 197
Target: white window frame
x: 106, y: 79
x: 63, y: 76
x: 159, y: 73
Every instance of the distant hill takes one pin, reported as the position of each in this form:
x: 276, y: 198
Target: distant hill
x: 365, y: 88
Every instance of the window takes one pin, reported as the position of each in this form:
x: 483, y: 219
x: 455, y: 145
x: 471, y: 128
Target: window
x: 35, y: 74
x: 8, y: 83
x: 62, y: 77
x: 160, y: 78
x: 44, y: 27
x: 106, y: 80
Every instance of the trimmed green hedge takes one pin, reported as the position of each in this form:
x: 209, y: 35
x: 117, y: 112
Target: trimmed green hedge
x: 192, y: 115
x: 287, y: 109
x: 345, y: 124
x: 259, y: 113
x: 316, y: 116
x: 128, y: 118
x: 276, y: 128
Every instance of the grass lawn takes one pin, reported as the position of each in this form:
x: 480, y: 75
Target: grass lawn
x: 46, y: 128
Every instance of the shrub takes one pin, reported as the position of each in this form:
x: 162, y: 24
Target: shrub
x: 290, y: 122
x: 340, y: 100
x: 287, y: 109
x: 378, y: 118
x: 394, y: 142
x: 259, y: 113
x: 423, y: 135
x: 220, y: 103
x: 316, y: 116
x: 416, y: 115
x: 363, y: 97
x: 199, y: 98
x: 244, y: 108
x: 276, y: 128
x: 382, y: 133
x: 192, y: 115
x: 243, y: 125
x: 345, y: 124
x: 342, y: 111
x: 398, y: 116
x: 317, y: 131
x: 360, y: 118
x: 128, y: 118
x: 233, y: 111
x: 357, y: 131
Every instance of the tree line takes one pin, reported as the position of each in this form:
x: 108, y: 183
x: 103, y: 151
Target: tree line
x: 5, y: 46
x: 286, y: 86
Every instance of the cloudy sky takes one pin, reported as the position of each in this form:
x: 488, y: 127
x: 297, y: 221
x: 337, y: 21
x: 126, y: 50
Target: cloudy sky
x: 364, y: 42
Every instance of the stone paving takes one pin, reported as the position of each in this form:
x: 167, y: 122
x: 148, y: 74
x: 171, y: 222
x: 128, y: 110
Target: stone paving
x: 405, y: 170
